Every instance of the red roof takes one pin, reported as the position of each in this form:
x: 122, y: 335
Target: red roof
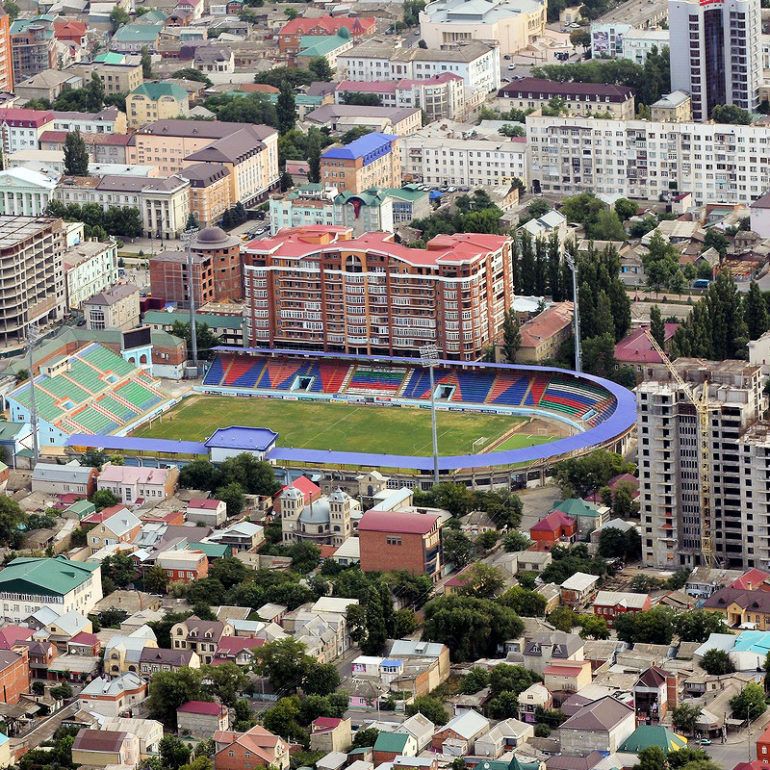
x: 325, y: 723
x: 752, y: 580
x: 235, y: 644
x: 546, y: 324
x: 562, y: 670
x: 553, y: 522
x: 59, y: 137
x: 636, y: 348
x: 20, y: 116
x: 84, y: 638
x: 327, y: 551
x: 100, y: 516
x: 69, y: 29
x: 11, y: 635
x: 201, y: 707
x: 208, y: 505
x: 329, y: 25
x: 393, y: 521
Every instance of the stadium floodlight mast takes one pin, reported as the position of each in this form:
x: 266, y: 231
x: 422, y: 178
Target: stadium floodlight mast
x: 429, y: 358
x: 189, y: 234
x: 576, y: 313
x: 31, y: 339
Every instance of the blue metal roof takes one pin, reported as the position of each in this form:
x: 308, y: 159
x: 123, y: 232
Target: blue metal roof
x: 99, y: 441
x: 242, y: 437
x: 368, y: 147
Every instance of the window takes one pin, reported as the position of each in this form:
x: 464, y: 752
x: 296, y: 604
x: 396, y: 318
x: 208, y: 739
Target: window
x: 392, y: 540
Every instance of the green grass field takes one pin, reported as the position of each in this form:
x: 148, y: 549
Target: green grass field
x: 342, y: 427
x: 522, y: 440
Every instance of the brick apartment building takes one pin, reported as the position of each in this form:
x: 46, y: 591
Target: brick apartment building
x: 14, y: 675
x: 216, y: 275
x: 317, y: 287
x: 411, y: 540
x: 374, y: 160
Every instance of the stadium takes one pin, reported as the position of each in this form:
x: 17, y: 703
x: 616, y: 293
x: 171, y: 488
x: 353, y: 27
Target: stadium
x: 343, y: 413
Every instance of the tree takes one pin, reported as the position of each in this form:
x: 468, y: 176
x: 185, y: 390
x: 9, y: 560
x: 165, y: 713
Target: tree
x: 94, y: 93
x: 75, y: 154
x: 515, y: 541
x: 365, y: 737
x: 593, y: 627
x: 657, y: 327
x: 717, y: 663
x: 580, y: 37
x: 476, y: 679
x: 169, y: 690
x: 155, y: 580
x: 457, y: 547
x: 653, y: 626
x: 321, y: 679
x: 685, y: 718
x: 286, y: 182
x: 320, y: 69
x: 12, y: 9
x: 504, y: 705
x: 229, y: 571
x: 755, y: 312
x: 405, y: 622
x: 511, y: 336
x: 563, y: 619
x: 481, y: 580
x: 205, y: 338
x: 190, y: 73
x: 749, y: 703
x: 538, y: 207
x: 146, y: 61
x: 698, y: 625
x: 286, y: 109
x: 361, y: 99
x: 587, y: 474
x: 233, y: 497
x: 284, y: 662
x: 717, y: 240
x: 512, y: 131
x: 651, y: 758
x: 615, y: 543
x: 524, y: 602
x: 12, y: 520
x: 625, y: 208
x: 429, y: 707
x: 225, y: 682
x: 118, y: 17
x: 729, y: 113
x: 174, y: 752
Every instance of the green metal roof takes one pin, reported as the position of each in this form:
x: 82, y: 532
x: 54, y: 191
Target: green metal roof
x: 391, y: 742
x: 9, y: 430
x: 653, y: 735
x: 320, y: 45
x: 163, y: 318
x: 110, y: 57
x: 212, y: 550
x: 81, y: 508
x: 577, y: 507
x: 156, y: 89
x: 408, y: 193
x: 49, y: 577
x: 138, y: 33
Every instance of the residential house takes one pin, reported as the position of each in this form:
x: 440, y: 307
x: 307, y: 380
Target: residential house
x: 14, y: 674
x: 206, y: 511
x: 538, y: 650
x: 156, y: 100
x: 610, y: 604
x: 738, y: 607
x: 535, y: 697
x: 256, y: 748
x: 602, y: 725
x: 112, y: 697
x: 183, y: 566
x: 554, y: 529
x: 330, y: 734
x: 242, y: 536
x: 71, y: 478
x: 121, y: 527
x: 457, y: 737
x: 200, y: 636
x: 152, y: 660
x: 66, y: 627
x: 84, y: 643
x: 148, y: 731
x: 123, y: 652
x: 542, y: 336
x: 505, y: 736
x: 116, y: 307
x: 578, y: 591
x: 389, y: 745
x: 237, y: 649
x: 566, y: 676
x: 655, y: 693
x: 101, y: 748
x: 131, y: 484
x: 532, y: 561
x: 421, y: 728
x: 426, y: 664
x: 30, y: 583
x: 589, y: 516
x: 201, y: 719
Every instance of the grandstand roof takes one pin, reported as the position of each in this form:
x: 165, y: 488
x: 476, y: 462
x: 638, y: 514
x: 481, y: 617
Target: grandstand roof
x: 164, y: 446
x: 301, y: 242
x: 242, y: 437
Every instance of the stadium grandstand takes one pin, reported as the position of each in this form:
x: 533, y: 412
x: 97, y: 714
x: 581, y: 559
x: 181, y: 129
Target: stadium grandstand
x: 567, y: 397
x: 92, y: 391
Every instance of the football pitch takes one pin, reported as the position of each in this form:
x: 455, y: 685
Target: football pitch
x: 340, y: 427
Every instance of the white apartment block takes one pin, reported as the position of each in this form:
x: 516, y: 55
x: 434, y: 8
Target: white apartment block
x: 477, y: 63
x: 463, y: 162
x: 89, y: 267
x: 716, y: 53
x: 642, y: 159
x: 669, y: 463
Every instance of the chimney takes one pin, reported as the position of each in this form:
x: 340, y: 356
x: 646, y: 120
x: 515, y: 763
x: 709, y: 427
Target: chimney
x: 672, y: 693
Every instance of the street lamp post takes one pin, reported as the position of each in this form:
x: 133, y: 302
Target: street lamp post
x: 429, y: 358
x: 189, y: 234
x: 576, y: 312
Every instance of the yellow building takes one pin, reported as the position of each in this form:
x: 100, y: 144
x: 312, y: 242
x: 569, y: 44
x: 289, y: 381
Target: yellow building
x: 100, y: 748
x: 117, y: 78
x: 210, y: 191
x: 157, y: 100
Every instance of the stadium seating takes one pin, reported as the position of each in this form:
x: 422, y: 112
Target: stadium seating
x: 332, y: 376
x: 475, y: 386
x: 513, y: 391
x: 120, y: 410
x: 419, y: 384
x: 93, y: 420
x: 105, y: 360
x: 138, y: 395
x: 215, y: 372
x: 366, y: 378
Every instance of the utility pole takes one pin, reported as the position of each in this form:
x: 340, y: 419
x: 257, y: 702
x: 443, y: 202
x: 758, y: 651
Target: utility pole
x: 32, y: 405
x: 429, y: 358
x: 189, y: 235
x: 576, y: 312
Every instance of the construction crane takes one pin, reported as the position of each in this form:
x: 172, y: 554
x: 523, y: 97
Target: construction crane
x: 702, y: 410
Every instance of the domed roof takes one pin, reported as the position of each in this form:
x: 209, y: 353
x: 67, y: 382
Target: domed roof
x: 212, y: 235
